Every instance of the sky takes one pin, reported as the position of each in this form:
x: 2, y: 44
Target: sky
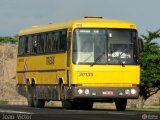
x: 19, y: 14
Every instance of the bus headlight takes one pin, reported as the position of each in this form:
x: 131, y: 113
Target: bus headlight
x: 127, y: 92
x: 133, y: 91
x: 86, y: 91
x: 80, y: 91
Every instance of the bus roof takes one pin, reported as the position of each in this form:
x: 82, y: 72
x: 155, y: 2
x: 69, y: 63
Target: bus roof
x: 87, y: 22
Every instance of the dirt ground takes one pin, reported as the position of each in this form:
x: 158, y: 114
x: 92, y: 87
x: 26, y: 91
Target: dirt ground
x: 8, y: 92
x: 8, y: 53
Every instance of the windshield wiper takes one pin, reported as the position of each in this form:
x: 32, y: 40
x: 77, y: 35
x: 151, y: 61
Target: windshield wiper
x: 98, y: 58
x: 120, y: 62
x: 119, y: 59
x: 88, y: 58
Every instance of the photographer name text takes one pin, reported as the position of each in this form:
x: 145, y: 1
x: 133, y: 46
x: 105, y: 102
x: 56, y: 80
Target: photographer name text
x: 16, y: 117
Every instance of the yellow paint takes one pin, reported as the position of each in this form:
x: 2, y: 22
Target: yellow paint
x: 40, y: 71
x: 106, y: 75
x: 103, y: 75
x: 85, y: 22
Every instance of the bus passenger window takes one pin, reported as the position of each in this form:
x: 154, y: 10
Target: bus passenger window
x: 48, y: 43
x: 29, y: 45
x: 53, y: 42
x: 40, y: 44
x: 34, y: 48
x: 63, y: 41
x: 50, y: 40
x: 21, y: 49
x: 26, y: 45
x: 57, y: 41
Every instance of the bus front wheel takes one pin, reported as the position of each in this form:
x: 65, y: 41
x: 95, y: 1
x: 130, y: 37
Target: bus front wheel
x: 121, y: 104
x: 87, y: 105
x: 66, y: 104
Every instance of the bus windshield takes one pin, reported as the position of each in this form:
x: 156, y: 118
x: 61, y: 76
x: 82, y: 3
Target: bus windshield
x: 105, y: 46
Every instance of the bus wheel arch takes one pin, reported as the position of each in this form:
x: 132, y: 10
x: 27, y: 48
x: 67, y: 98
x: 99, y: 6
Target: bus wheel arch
x: 27, y: 81
x: 60, y: 88
x: 60, y: 81
x: 66, y: 104
x: 32, y: 97
x: 33, y: 82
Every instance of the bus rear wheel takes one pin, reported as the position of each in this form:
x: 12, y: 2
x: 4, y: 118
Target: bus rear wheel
x: 30, y: 96
x: 38, y: 103
x: 121, y: 104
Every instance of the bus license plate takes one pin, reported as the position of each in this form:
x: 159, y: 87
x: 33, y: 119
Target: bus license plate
x: 107, y: 92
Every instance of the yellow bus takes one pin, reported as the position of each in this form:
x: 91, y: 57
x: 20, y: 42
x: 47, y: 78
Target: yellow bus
x: 79, y: 62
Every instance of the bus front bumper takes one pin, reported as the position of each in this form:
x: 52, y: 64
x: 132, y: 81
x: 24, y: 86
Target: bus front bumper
x: 102, y: 92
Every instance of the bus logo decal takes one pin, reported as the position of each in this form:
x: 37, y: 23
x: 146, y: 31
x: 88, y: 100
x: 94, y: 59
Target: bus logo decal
x: 50, y: 60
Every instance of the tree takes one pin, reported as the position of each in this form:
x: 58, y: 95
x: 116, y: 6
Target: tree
x: 150, y: 66
x: 9, y: 39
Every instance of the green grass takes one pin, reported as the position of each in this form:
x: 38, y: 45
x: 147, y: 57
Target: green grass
x: 145, y: 109
x: 3, y: 102
x: 156, y: 104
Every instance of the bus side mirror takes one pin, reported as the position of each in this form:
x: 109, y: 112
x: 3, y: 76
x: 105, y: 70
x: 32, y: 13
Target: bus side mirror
x: 140, y: 43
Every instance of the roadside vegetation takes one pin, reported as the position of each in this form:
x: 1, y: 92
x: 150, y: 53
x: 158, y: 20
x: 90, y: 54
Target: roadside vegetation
x: 9, y: 39
x: 150, y: 66
x: 145, y: 109
x: 2, y: 102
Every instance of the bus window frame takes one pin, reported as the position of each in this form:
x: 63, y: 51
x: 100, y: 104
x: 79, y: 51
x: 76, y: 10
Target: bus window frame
x: 57, y: 51
x: 135, y: 43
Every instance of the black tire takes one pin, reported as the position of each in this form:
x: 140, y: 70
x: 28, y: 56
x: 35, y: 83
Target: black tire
x: 121, y: 104
x: 66, y: 104
x: 38, y: 103
x: 77, y: 105
x: 30, y: 96
x: 85, y: 105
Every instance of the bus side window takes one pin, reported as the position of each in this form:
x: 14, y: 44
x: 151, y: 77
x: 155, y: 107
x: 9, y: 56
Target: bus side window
x: 40, y: 44
x: 50, y: 41
x: 26, y: 45
x: 21, y: 48
x: 43, y: 42
x: 29, y: 45
x: 57, y: 38
x: 53, y: 42
x: 34, y: 44
x: 50, y: 38
x: 47, y: 43
x: 63, y: 40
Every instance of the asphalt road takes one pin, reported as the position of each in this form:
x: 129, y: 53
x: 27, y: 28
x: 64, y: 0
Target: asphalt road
x: 51, y: 113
